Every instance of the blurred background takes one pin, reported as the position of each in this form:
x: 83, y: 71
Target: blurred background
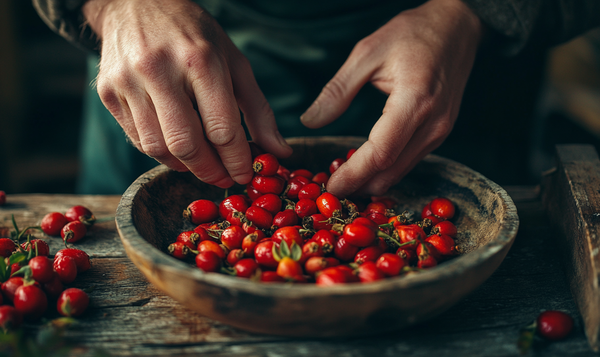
x: 42, y: 78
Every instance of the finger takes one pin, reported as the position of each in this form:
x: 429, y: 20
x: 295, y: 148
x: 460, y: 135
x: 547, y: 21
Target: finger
x: 221, y: 117
x: 118, y: 107
x: 339, y: 92
x: 258, y: 115
x: 402, y: 115
x: 180, y: 136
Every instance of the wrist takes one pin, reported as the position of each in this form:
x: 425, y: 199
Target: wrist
x: 94, y: 12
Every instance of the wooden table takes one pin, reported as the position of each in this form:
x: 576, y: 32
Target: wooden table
x: 128, y: 316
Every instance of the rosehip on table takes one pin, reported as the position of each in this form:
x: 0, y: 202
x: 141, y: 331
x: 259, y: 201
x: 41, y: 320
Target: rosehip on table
x: 7, y: 247
x: 73, y: 231
x: 311, y: 191
x: 30, y: 301
x: 10, y: 286
x: 66, y: 268
x: 554, y: 325
x: 42, y: 269
x: 54, y: 287
x: 42, y: 247
x: 82, y: 259
x: 81, y: 214
x: 72, y: 302
x: 53, y: 222
x: 305, y: 207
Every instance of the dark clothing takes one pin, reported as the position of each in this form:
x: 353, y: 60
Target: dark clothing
x: 295, y: 48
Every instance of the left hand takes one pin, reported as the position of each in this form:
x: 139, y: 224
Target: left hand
x: 422, y: 59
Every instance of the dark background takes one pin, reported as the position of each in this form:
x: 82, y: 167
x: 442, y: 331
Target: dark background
x: 42, y: 78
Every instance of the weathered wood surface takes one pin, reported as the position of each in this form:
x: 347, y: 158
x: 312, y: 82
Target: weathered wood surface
x: 571, y: 195
x: 129, y: 317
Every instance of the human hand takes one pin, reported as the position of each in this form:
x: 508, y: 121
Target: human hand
x: 163, y: 63
x: 422, y: 59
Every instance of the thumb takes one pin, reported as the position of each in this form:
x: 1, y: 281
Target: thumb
x: 338, y: 93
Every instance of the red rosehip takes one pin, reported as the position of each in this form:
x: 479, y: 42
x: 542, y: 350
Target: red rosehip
x: 329, y: 205
x: 72, y: 302
x: 7, y: 247
x: 271, y: 277
x: 2, y: 198
x: 390, y: 264
x: 288, y: 268
x: 54, y: 287
x: 368, y: 254
x: 311, y: 191
x: 335, y: 275
x: 554, y: 325
x: 260, y: 217
x: 268, y: 184
x: 263, y: 253
x: 189, y: 238
x: 30, y: 301
x: 335, y: 164
x: 320, y: 178
x: 233, y: 203
x: 411, y: 233
x: 316, y: 264
x: 201, y: 211
x: 208, y: 261
x: 179, y: 250
x: 344, y: 251
x: 41, y: 269
x: 10, y: 318
x: 53, y: 222
x: 442, y: 243
x: 249, y: 242
x: 42, y: 247
x: 245, y: 268
x: 426, y: 212
x: 442, y: 207
x: 220, y: 249
x: 317, y: 222
x: 283, y: 173
x: 445, y: 227
x: 270, y: 202
x: 82, y: 259
x: 232, y: 237
x: 81, y: 214
x: 305, y: 207
x: 10, y: 286
x: 73, y: 231
x: 359, y: 235
x: 265, y: 164
x: 368, y: 272
x: 302, y: 172
x: 294, y: 186
x: 325, y: 239
x: 350, y: 153
x: 288, y: 234
x: 285, y: 218
x: 235, y: 256
x: 66, y: 268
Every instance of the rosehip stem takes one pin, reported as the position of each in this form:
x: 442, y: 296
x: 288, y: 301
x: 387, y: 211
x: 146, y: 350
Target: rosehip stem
x: 389, y: 239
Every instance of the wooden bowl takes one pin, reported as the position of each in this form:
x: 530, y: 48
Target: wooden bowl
x: 149, y: 217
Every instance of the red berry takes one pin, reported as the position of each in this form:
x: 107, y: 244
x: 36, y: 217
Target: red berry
x: 270, y: 202
x: 350, y: 153
x: 320, y: 178
x: 411, y: 233
x: 41, y: 269
x: 368, y: 254
x: 288, y: 234
x: 554, y: 325
x: 283, y: 173
x: 30, y: 301
x: 302, y: 172
x: 2, y: 198
x: 359, y: 235
x: 335, y: 275
x: 287, y: 217
x: 409, y: 255
x: 10, y: 286
x: 390, y: 264
x: 265, y: 164
x: 426, y: 212
x: 82, y: 259
x: 235, y: 256
x: 189, y: 238
x: 252, y: 192
x: 264, y: 254
x: 232, y: 237
x: 53, y: 222
x: 311, y: 249
x: 316, y: 264
x: 325, y: 239
x: 245, y: 268
x: 7, y: 247
x: 66, y: 268
x: 201, y: 211
x: 260, y: 217
x: 443, y: 243
x: 249, y: 242
x: 208, y: 261
x: 317, y: 221
x: 10, y: 318
x: 42, y: 247
x: 211, y: 245
x: 268, y: 184
x: 73, y: 231
x: 442, y: 207
x: 179, y: 250
x: 81, y: 214
x: 329, y: 205
x: 294, y: 186
x: 344, y: 251
x: 368, y: 272
x: 445, y: 227
x: 311, y: 191
x: 335, y: 164
x: 305, y: 207
x: 288, y: 268
x: 233, y: 203
x: 72, y: 302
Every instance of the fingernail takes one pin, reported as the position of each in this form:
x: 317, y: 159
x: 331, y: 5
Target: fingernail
x: 311, y: 115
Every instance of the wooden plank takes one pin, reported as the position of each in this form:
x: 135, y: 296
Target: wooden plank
x: 571, y: 196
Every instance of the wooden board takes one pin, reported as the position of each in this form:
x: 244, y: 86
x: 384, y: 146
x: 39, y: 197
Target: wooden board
x: 571, y: 196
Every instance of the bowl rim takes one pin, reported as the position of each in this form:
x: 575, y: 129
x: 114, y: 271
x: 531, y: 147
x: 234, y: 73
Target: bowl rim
x: 137, y: 245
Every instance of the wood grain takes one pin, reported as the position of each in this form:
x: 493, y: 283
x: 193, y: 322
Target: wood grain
x: 571, y: 195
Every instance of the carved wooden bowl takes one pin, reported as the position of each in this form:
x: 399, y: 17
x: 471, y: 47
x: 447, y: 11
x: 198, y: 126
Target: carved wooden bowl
x: 149, y: 217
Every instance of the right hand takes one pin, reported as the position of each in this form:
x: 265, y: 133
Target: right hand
x: 164, y: 62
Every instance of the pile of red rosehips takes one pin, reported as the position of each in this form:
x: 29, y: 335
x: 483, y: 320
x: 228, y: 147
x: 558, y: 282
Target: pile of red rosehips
x: 31, y: 278
x: 288, y: 228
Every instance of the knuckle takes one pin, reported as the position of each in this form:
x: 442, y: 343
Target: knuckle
x: 383, y: 157
x: 182, y: 146
x: 153, y: 148
x: 219, y: 133
x: 150, y: 63
x: 335, y: 89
